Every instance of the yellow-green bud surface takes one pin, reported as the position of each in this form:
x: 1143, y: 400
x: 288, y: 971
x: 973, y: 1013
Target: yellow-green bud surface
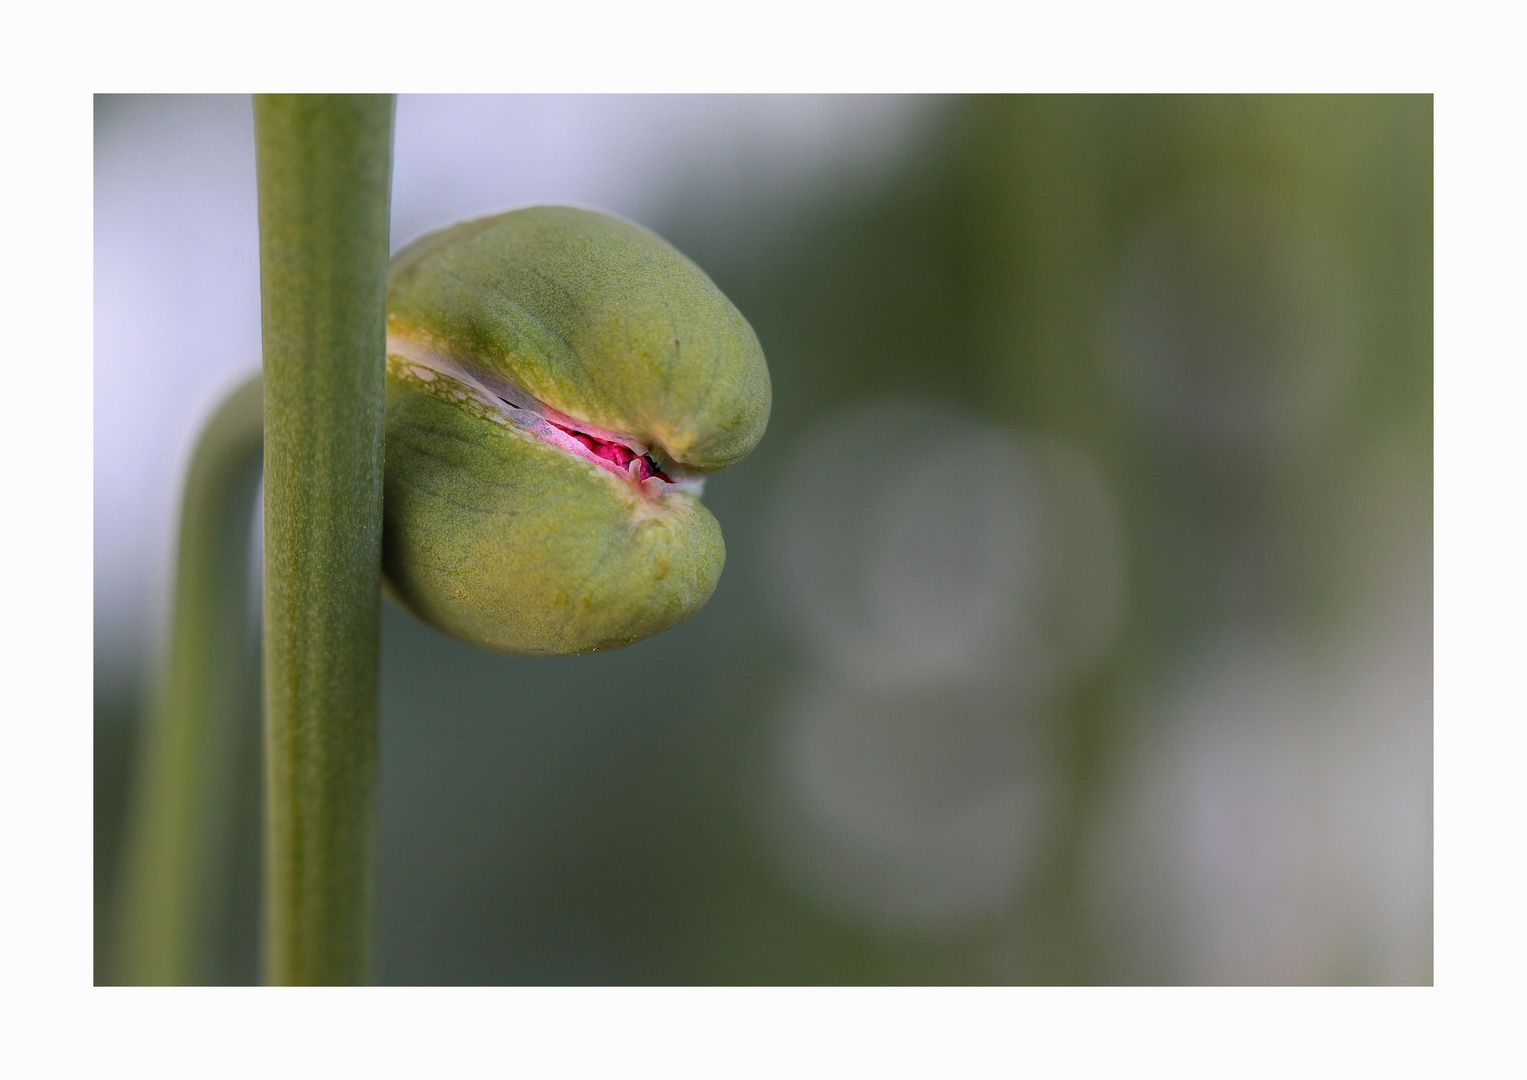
x: 559, y: 382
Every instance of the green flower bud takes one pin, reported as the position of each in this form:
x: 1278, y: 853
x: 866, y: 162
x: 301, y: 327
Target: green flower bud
x: 559, y: 382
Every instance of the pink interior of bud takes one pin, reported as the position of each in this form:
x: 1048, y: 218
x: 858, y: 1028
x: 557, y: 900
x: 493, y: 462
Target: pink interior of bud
x: 619, y: 456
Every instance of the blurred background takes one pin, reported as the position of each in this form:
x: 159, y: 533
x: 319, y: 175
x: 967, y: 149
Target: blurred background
x: 1076, y: 622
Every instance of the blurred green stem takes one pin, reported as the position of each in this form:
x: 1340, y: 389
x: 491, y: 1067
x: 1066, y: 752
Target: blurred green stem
x: 325, y: 165
x: 177, y: 867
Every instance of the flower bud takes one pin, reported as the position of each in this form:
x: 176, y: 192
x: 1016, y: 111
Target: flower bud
x: 559, y: 383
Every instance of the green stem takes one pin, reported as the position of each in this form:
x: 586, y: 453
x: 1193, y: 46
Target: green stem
x: 324, y: 186
x: 177, y: 863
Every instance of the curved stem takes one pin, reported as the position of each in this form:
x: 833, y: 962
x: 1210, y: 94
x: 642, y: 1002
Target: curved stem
x: 179, y: 840
x: 325, y: 166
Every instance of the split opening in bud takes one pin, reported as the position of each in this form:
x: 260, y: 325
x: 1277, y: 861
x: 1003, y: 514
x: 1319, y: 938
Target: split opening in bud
x: 626, y: 458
